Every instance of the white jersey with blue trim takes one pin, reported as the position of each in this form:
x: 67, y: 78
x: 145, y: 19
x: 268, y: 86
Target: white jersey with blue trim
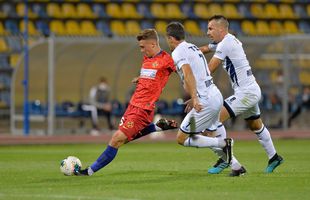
x: 235, y: 62
x: 187, y: 53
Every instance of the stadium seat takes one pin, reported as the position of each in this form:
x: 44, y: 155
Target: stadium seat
x: 84, y: 11
x: 215, y: 9
x: 104, y: 27
x: 72, y: 27
x: 69, y: 11
x: 304, y: 78
x: 276, y: 27
x: 308, y: 10
x: 286, y: 11
x: 300, y: 10
x: 192, y: 28
x: 130, y: 11
x: 20, y: 10
x: 248, y: 27
x: 173, y: 11
x: 118, y: 28
x: 57, y: 27
x: 304, y: 26
x: 88, y: 28
x: 15, y: 44
x: 187, y: 10
x: 234, y: 27
x: 31, y: 28
x: 8, y: 10
x: 144, y: 10
x: 3, y: 46
x: 230, y: 11
x: 160, y: 26
x: 146, y: 24
x: 272, y: 11
x: 158, y: 10
x: 114, y: 10
x: 4, y: 59
x: 258, y: 10
x: 203, y: 26
x: 99, y: 10
x: 42, y: 27
x: 201, y: 11
x: 11, y: 27
x: 2, y: 29
x: 290, y: 27
x: 132, y: 27
x: 262, y: 28
x: 39, y: 10
x: 244, y: 10
x: 53, y: 10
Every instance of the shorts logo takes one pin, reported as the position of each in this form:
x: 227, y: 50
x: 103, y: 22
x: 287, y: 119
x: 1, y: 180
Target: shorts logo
x: 130, y: 124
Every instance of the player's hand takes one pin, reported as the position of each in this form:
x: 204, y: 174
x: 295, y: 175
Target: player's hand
x: 189, y: 105
x: 196, y: 104
x: 135, y: 80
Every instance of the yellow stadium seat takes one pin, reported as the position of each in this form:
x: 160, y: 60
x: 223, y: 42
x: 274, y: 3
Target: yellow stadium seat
x: 84, y: 11
x: 276, y: 27
x: 308, y: 10
x: 177, y: 1
x: 118, y: 27
x: 88, y: 28
x: 248, y: 27
x: 271, y: 11
x: 132, y: 27
x: 3, y: 46
x: 2, y: 29
x: 230, y: 11
x: 130, y: 11
x: 290, y: 27
x: 69, y: 11
x: 286, y: 11
x: 31, y: 28
x: 215, y: 9
x: 160, y: 27
x: 304, y: 78
x: 192, y: 28
x: 158, y: 10
x: 53, y: 10
x: 72, y: 27
x: 114, y: 10
x: 20, y: 10
x: 201, y: 10
x: 57, y: 27
x: 14, y: 58
x: 257, y: 10
x: 262, y: 28
x: 173, y: 11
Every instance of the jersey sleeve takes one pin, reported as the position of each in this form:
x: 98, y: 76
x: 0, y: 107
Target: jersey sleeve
x: 179, y: 59
x: 221, y: 50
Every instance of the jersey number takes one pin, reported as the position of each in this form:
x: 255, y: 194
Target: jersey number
x: 204, y: 62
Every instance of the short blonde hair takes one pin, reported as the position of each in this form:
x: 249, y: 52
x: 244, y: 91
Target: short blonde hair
x: 147, y: 34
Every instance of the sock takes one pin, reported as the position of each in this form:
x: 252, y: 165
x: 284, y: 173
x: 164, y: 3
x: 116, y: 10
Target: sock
x: 203, y: 141
x: 90, y: 171
x: 105, y: 158
x: 235, y: 165
x: 147, y: 130
x: 265, y: 140
x: 220, y: 133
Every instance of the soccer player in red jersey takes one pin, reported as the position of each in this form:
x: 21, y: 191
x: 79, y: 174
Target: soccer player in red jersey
x: 137, y: 121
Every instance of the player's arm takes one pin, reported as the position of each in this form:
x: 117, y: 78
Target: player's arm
x: 214, y: 64
x: 190, y: 86
x: 208, y: 48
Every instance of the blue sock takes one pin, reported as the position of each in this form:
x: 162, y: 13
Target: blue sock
x: 105, y: 158
x: 147, y: 130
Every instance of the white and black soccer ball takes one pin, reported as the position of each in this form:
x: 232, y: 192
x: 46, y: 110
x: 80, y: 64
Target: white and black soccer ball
x: 68, y: 165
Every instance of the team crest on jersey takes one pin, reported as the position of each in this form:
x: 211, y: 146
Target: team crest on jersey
x: 155, y: 64
x: 130, y: 124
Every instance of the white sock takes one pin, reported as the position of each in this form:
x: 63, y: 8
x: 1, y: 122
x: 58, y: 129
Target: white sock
x: 235, y: 165
x: 204, y: 141
x: 265, y: 140
x: 220, y: 133
x: 90, y: 171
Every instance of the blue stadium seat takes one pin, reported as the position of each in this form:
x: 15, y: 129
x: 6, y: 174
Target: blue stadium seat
x: 245, y: 10
x: 15, y: 44
x: 188, y: 10
x: 12, y: 27
x: 39, y: 10
x: 144, y: 10
x: 42, y: 26
x: 235, y: 27
x: 4, y: 61
x: 146, y: 24
x: 304, y: 26
x: 104, y: 28
x: 204, y: 26
x: 99, y: 10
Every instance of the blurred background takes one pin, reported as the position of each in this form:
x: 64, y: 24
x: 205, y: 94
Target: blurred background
x: 51, y: 56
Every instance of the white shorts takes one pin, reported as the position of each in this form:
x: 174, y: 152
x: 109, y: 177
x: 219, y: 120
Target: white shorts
x: 207, y: 119
x: 244, y: 102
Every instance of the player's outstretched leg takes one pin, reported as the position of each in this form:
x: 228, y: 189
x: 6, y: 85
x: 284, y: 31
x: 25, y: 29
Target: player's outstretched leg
x: 166, y: 124
x: 228, y: 149
x: 273, y: 163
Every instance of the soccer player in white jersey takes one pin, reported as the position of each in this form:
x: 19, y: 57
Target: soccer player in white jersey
x: 247, y: 93
x: 207, y: 100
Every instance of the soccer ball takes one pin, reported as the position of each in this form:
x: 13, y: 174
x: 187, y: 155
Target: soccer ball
x: 68, y: 165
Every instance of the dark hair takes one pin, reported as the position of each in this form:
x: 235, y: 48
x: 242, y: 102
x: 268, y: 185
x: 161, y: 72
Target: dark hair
x: 176, y: 30
x: 147, y: 34
x: 221, y: 19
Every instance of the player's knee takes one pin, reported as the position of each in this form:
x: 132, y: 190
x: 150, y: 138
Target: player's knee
x: 181, y: 137
x: 118, y: 139
x: 255, y: 124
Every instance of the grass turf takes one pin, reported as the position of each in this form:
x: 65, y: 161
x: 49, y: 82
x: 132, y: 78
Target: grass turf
x: 153, y: 171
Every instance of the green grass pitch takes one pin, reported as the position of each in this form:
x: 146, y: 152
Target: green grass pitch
x: 153, y: 171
